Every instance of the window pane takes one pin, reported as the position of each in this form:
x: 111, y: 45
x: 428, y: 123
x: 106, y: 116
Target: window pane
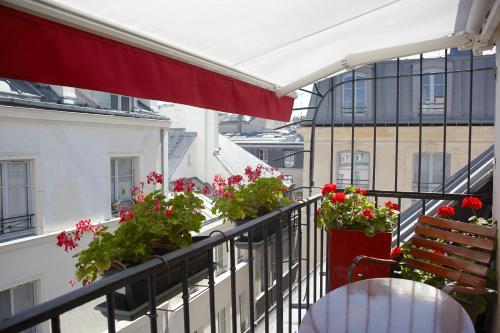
x: 5, y: 304
x: 125, y: 103
x: 124, y: 166
x: 24, y: 297
x: 114, y: 102
x: 124, y: 186
x: 17, y: 201
x: 17, y: 173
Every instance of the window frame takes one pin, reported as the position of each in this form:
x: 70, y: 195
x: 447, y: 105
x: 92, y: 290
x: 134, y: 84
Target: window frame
x: 430, y: 105
x: 359, y: 86
x: 114, y: 184
x: 265, y: 154
x: 4, y: 199
x: 12, y: 302
x: 288, y: 158
x: 119, y: 102
x: 342, y: 182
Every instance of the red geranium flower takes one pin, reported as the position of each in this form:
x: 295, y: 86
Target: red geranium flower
x: 396, y: 252
x: 338, y: 198
x: 360, y: 190
x: 169, y: 212
x: 206, y: 189
x: 328, y: 188
x: 234, y: 180
x: 154, y: 178
x: 472, y: 202
x: 367, y: 213
x: 391, y: 205
x: 446, y: 211
x: 179, y: 185
x: 189, y: 185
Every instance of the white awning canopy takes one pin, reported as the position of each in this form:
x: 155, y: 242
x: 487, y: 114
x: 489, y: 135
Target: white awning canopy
x: 279, y: 45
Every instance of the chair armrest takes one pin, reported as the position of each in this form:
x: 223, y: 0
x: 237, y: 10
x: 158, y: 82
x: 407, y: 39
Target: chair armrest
x: 449, y: 288
x: 374, y: 260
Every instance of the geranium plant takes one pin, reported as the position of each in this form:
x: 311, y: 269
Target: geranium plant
x: 351, y: 210
x: 154, y: 224
x: 237, y: 198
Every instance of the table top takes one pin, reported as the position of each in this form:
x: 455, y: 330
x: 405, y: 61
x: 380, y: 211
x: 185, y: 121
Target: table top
x: 386, y: 305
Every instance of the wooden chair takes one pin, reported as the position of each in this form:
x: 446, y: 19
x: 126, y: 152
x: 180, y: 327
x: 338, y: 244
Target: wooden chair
x: 468, y: 247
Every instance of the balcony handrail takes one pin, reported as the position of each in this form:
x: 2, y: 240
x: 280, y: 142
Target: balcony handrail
x: 66, y: 302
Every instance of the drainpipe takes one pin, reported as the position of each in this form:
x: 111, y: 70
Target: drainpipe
x: 162, y: 156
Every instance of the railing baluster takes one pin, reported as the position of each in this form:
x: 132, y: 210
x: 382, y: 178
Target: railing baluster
x: 55, y: 325
x: 322, y: 236
x: 110, y: 307
x: 152, y: 303
x: 266, y: 281
x: 315, y: 244
x: 250, y: 281
x: 232, y: 268
x: 279, y: 274
x: 299, y: 258
x: 211, y: 290
x: 290, y: 271
x: 308, y: 254
x: 185, y: 296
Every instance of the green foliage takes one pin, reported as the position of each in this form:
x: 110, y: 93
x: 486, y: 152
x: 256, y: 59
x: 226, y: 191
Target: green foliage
x: 153, y: 225
x: 243, y: 201
x: 348, y: 214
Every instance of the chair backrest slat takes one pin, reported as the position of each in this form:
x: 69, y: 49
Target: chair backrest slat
x: 451, y: 262
x: 482, y: 257
x: 485, y: 244
x: 459, y: 226
x: 447, y: 273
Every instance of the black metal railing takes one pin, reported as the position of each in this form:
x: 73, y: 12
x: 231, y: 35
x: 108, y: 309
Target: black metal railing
x: 15, y: 224
x: 295, y: 222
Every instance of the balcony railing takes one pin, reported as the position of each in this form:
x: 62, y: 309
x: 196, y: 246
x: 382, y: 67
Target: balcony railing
x: 13, y: 226
x: 296, y: 219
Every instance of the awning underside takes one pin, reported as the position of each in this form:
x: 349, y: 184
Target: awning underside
x: 269, y: 44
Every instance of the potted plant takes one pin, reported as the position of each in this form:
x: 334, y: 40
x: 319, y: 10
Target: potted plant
x: 355, y: 227
x: 239, y: 200
x: 154, y: 225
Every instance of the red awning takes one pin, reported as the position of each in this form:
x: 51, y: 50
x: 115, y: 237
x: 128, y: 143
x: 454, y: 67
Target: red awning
x: 40, y: 50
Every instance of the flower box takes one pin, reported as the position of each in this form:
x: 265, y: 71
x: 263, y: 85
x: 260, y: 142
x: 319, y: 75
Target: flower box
x: 345, y: 245
x: 132, y: 300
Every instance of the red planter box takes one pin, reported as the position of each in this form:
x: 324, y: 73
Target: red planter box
x: 345, y: 245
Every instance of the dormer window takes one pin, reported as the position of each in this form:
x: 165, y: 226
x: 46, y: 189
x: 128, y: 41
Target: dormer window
x: 119, y: 102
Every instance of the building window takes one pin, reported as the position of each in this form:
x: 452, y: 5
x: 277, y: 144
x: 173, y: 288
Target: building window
x: 433, y: 93
x: 18, y: 299
x: 119, y: 102
x: 360, y: 94
x: 431, y: 174
x: 287, y: 179
x: 361, y: 169
x: 221, y: 321
x: 122, y: 181
x: 263, y: 154
x: 289, y: 161
x: 220, y: 259
x: 14, y: 197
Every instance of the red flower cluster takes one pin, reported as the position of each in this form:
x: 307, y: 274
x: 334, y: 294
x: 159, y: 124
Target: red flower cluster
x: 154, y: 178
x: 70, y: 239
x: 169, y: 212
x: 229, y: 195
x: 219, y: 184
x: 446, y: 211
x: 367, y: 213
x: 338, y: 198
x: 126, y: 215
x: 206, y: 189
x: 391, y: 205
x: 252, y: 174
x: 360, y: 190
x: 328, y: 188
x: 189, y: 185
x: 179, y: 185
x: 396, y: 252
x: 472, y: 202
x: 234, y: 180
x: 157, y: 204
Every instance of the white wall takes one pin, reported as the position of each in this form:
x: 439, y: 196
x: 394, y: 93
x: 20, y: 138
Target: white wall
x: 69, y: 156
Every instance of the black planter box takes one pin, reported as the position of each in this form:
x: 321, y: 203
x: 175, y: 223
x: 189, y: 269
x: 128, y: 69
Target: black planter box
x: 132, y: 300
x: 258, y: 233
